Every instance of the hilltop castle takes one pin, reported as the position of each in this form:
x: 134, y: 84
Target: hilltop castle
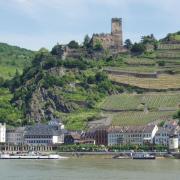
x: 114, y: 40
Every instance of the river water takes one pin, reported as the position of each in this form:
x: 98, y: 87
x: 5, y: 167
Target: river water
x: 89, y: 169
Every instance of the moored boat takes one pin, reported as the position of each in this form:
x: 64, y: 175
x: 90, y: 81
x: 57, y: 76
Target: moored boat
x: 31, y: 156
x: 143, y: 156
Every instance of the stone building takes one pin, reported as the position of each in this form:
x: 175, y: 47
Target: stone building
x: 114, y: 40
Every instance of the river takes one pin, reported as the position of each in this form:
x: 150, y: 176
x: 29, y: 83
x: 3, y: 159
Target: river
x: 90, y: 169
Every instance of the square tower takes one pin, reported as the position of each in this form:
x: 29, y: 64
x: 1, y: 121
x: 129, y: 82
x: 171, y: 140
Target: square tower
x: 116, y: 31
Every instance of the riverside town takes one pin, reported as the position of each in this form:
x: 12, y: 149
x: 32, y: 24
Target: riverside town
x: 89, y: 90
x: 100, y: 97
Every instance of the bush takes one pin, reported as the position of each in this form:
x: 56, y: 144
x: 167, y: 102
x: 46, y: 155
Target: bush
x: 138, y: 48
x: 76, y: 64
x: 73, y: 45
x: 161, y: 63
x: 101, y: 76
x: 57, y: 50
x: 98, y: 46
x: 49, y: 63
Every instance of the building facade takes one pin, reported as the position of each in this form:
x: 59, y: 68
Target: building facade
x: 15, y: 135
x: 162, y: 136
x: 99, y: 135
x: 43, y: 135
x: 138, y: 135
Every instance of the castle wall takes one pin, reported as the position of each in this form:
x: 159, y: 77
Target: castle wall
x: 106, y: 40
x: 113, y: 40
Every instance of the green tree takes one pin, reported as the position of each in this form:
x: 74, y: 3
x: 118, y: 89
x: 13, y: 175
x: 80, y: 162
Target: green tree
x: 98, y: 46
x: 150, y: 39
x: 86, y: 42
x: 128, y: 44
x: 57, y: 50
x: 101, y: 76
x: 138, y: 48
x: 177, y: 115
x: 73, y: 45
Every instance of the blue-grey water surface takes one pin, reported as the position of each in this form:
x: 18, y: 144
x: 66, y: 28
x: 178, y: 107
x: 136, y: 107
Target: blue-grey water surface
x: 89, y: 169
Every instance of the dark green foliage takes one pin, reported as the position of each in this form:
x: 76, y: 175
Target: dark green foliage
x: 150, y: 39
x: 91, y: 79
x: 138, y: 48
x: 15, y: 56
x: 177, y: 115
x: 57, y: 50
x: 73, y: 45
x: 75, y: 63
x: 128, y: 44
x: 81, y: 148
x: 50, y: 62
x: 161, y: 63
x: 86, y: 42
x: 101, y: 76
x: 161, y: 124
x: 105, y: 87
x: 117, y: 148
x: 98, y: 46
x: 8, y: 113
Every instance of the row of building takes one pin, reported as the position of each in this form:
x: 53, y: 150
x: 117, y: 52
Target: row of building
x: 54, y: 133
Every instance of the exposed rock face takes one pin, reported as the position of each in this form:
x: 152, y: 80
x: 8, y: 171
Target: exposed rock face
x: 44, y: 103
x: 39, y: 102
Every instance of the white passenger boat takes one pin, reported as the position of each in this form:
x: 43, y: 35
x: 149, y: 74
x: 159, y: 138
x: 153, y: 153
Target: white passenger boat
x: 31, y: 156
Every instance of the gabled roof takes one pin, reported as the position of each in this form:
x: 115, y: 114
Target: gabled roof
x: 40, y: 130
x: 132, y: 129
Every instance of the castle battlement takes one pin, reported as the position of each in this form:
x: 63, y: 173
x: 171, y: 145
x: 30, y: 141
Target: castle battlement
x: 113, y: 40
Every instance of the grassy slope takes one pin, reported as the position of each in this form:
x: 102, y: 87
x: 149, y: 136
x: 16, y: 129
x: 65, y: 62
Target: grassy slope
x: 12, y: 58
x: 139, y: 118
x: 153, y: 101
x: 8, y: 113
x: 164, y: 81
x: 133, y: 101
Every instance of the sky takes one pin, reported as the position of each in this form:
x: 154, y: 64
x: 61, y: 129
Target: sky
x: 34, y: 24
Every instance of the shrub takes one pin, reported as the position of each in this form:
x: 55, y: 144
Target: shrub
x: 161, y: 63
x: 73, y: 45
x: 57, y: 50
x: 138, y: 48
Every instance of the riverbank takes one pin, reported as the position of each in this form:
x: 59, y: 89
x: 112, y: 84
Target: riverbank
x: 114, y: 155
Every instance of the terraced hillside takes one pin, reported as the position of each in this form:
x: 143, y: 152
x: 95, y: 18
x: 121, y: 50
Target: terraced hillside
x: 163, y: 82
x: 139, y: 118
x: 139, y: 101
x: 158, y: 76
x: 137, y: 109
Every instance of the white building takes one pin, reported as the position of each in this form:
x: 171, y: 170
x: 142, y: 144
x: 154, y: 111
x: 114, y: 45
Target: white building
x: 15, y: 135
x: 115, y: 136
x: 131, y: 135
x: 164, y: 133
x: 2, y: 132
x: 162, y: 136
x: 43, y: 135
